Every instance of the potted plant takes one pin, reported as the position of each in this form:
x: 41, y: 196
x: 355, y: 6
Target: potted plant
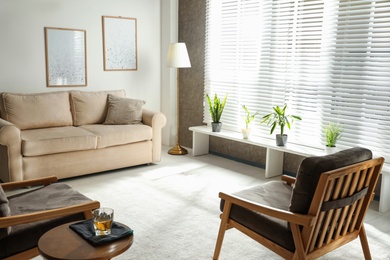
x: 216, y: 108
x: 249, y: 117
x: 332, y: 134
x: 279, y: 118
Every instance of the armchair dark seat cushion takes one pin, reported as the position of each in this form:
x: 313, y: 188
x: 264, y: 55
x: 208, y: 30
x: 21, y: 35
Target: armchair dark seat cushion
x: 310, y: 170
x: 26, y: 236
x: 275, y: 194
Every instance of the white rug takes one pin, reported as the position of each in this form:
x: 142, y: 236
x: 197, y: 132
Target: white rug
x: 173, y: 208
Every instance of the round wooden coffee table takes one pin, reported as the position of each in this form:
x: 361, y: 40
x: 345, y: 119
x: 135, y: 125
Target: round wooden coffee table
x: 63, y: 243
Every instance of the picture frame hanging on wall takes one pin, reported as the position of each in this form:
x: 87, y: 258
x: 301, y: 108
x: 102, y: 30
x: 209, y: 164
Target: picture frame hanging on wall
x: 66, y: 57
x: 119, y: 43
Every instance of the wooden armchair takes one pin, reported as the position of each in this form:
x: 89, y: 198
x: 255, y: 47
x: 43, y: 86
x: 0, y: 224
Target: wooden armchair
x: 27, y: 215
x: 323, y: 209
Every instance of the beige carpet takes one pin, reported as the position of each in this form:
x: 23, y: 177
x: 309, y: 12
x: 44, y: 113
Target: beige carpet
x: 173, y: 208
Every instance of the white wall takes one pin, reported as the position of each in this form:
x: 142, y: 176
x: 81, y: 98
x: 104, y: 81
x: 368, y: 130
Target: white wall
x: 169, y: 29
x: 22, y: 48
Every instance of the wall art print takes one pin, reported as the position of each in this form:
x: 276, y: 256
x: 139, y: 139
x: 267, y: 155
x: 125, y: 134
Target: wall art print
x: 66, y: 57
x: 119, y: 43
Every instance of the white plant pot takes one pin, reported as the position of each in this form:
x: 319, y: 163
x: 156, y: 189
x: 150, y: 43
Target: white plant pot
x: 246, y: 132
x: 330, y: 150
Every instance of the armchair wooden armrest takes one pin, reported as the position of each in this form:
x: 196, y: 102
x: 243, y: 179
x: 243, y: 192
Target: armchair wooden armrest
x: 299, y: 219
x: 288, y: 179
x: 85, y: 208
x: 27, y: 183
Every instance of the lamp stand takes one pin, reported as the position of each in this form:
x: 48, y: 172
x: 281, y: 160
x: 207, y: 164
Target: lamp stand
x: 178, y: 150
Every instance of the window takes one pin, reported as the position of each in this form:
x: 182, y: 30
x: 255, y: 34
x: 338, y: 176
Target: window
x: 328, y: 60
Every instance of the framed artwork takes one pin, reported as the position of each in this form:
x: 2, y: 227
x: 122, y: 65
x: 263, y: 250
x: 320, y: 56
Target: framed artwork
x: 66, y: 57
x: 119, y: 43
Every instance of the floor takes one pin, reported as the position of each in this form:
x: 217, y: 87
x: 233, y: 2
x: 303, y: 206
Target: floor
x: 373, y: 220
x: 223, y: 172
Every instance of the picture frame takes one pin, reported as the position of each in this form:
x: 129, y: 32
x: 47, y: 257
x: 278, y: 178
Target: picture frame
x: 66, y: 57
x: 119, y: 43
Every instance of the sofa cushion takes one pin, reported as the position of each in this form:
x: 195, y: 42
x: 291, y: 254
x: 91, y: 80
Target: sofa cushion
x: 123, y: 111
x: 310, y: 170
x: 111, y: 135
x: 43, y: 141
x: 26, y: 236
x: 40, y: 110
x: 275, y: 194
x: 4, y: 212
x: 91, y: 107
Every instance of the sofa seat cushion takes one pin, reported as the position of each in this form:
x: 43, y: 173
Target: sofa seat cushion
x: 26, y: 236
x: 43, y: 141
x: 91, y: 107
x: 112, y: 135
x: 40, y: 110
x: 275, y: 194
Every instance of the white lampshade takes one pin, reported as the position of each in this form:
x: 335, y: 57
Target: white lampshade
x: 177, y: 56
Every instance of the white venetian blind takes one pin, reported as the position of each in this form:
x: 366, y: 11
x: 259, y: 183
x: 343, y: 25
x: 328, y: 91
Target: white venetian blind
x: 357, y: 92
x: 233, y: 55
x: 328, y: 60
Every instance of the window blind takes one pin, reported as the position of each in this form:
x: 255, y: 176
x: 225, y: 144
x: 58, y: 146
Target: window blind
x: 328, y: 60
x: 357, y: 93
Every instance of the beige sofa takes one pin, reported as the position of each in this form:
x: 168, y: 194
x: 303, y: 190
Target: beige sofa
x: 72, y: 133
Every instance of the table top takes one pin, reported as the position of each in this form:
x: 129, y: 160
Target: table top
x: 62, y: 243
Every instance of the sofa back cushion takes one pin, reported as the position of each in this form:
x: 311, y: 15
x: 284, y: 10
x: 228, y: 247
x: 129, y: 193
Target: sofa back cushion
x: 310, y: 170
x: 91, y: 107
x: 4, y: 212
x: 39, y: 110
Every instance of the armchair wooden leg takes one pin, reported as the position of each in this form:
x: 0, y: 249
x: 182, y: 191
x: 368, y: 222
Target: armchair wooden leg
x: 364, y: 243
x: 222, y: 229
x: 299, y: 249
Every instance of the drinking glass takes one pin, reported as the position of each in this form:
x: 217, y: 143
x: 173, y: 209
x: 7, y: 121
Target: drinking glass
x: 102, y: 221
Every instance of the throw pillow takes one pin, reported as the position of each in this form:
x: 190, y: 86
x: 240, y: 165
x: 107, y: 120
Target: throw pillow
x: 4, y: 212
x: 123, y: 111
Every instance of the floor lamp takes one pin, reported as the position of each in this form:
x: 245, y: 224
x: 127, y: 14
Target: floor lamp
x: 177, y: 57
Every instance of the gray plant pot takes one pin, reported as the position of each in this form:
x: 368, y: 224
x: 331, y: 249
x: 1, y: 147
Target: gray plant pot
x: 281, y: 140
x: 216, y: 127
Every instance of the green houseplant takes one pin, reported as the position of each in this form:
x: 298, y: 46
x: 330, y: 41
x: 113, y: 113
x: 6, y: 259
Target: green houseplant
x: 249, y: 117
x: 216, y: 108
x: 279, y: 118
x: 332, y: 134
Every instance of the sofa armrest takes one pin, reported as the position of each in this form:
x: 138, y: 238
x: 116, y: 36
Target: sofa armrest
x: 10, y: 152
x: 153, y: 118
x: 157, y: 121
